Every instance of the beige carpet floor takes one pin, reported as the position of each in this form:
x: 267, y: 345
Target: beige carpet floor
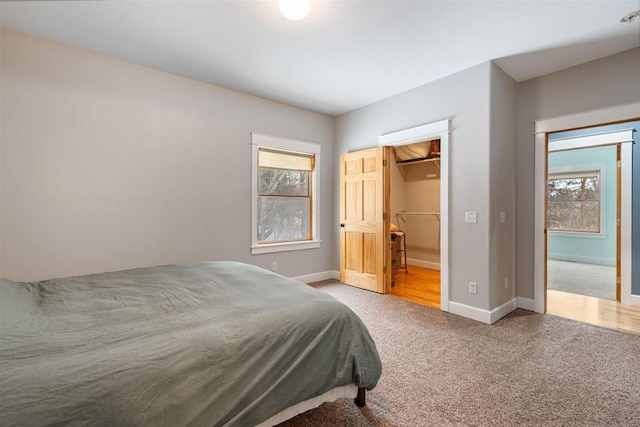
x: 528, y: 369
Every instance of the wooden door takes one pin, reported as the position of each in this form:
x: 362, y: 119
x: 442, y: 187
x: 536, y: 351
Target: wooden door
x: 364, y: 227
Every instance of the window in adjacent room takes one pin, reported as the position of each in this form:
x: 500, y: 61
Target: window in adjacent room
x: 573, y: 202
x: 285, y: 182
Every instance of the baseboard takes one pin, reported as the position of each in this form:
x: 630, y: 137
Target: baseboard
x: 423, y: 264
x: 506, y: 308
x: 582, y: 259
x: 527, y: 304
x: 631, y: 300
x: 470, y: 312
x: 484, y: 316
x: 316, y: 277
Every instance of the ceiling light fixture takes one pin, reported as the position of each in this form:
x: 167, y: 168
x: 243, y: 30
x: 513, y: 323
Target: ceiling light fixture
x: 631, y: 17
x: 294, y: 9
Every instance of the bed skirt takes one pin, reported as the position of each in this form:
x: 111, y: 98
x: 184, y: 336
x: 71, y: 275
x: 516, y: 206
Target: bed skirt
x: 349, y: 391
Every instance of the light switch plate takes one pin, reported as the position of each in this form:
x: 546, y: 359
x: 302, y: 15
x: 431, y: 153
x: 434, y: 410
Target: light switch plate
x: 471, y: 217
x: 503, y: 217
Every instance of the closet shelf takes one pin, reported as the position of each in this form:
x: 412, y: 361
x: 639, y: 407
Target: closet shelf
x: 400, y: 215
x: 413, y: 162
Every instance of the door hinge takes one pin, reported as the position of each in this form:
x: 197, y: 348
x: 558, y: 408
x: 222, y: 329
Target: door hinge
x: 618, y: 221
x: 384, y: 270
x: 384, y: 216
x: 619, y: 163
x: 384, y: 162
x: 618, y: 280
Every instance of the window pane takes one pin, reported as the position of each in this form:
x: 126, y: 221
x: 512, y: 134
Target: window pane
x: 574, y: 189
x: 574, y: 216
x: 280, y: 182
x: 573, y: 202
x: 283, y: 218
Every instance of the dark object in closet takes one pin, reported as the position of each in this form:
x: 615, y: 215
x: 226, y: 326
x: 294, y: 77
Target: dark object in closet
x: 398, y: 250
x: 435, y: 148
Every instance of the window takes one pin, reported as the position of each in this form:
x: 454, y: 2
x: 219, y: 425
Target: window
x: 573, y: 202
x: 284, y: 195
x: 285, y: 178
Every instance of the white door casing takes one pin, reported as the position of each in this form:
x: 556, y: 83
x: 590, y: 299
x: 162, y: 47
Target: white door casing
x: 584, y: 119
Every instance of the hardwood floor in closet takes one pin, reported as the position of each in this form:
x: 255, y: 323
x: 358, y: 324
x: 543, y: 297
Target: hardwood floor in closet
x: 419, y: 285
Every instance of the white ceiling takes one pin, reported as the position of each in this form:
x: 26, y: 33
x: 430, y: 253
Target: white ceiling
x: 345, y: 54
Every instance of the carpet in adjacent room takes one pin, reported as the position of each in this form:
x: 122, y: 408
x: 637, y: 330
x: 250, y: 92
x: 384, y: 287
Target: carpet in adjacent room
x: 592, y: 280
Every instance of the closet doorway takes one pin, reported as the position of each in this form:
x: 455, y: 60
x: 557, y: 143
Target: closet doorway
x: 366, y: 216
x: 418, y: 192
x: 415, y: 222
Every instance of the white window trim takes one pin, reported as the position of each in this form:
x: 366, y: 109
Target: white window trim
x: 260, y: 140
x: 602, y: 170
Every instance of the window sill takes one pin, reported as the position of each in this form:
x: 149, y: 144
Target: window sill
x: 600, y: 236
x: 283, y: 247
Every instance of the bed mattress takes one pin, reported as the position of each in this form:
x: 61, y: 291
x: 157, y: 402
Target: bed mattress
x: 217, y: 343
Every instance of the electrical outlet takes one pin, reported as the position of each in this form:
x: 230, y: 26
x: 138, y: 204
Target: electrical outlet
x: 274, y: 266
x: 473, y: 288
x: 503, y: 217
x: 506, y: 283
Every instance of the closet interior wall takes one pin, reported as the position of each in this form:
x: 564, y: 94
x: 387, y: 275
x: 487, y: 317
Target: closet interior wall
x: 418, y: 191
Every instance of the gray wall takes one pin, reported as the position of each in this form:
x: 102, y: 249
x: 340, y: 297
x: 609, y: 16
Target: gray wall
x: 108, y: 165
x: 605, y: 82
x: 463, y: 98
x: 503, y: 190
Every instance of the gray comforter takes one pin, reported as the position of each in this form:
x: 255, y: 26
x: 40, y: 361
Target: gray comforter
x: 216, y: 343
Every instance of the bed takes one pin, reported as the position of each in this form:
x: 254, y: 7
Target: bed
x: 216, y: 343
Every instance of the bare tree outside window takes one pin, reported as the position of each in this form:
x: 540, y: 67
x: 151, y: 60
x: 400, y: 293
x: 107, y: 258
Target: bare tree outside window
x: 573, y: 202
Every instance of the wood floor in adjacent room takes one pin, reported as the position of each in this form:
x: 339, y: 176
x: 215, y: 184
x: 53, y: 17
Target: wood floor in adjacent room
x: 597, y: 311
x: 419, y: 285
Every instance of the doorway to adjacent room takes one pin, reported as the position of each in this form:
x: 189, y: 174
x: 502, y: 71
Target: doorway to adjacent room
x: 583, y: 210
x: 586, y: 271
